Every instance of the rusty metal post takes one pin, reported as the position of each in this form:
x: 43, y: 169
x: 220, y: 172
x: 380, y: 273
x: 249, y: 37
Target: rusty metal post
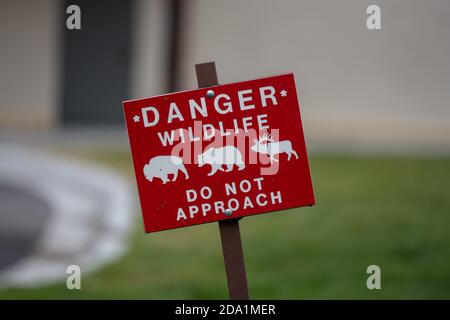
x: 229, y: 229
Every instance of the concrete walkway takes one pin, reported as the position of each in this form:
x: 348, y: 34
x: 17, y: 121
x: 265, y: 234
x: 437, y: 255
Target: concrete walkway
x: 56, y: 212
x: 22, y: 221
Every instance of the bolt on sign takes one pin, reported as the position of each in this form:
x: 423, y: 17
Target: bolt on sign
x: 226, y: 151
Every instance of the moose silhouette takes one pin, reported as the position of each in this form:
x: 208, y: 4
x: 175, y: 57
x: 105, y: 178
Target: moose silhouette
x: 266, y: 145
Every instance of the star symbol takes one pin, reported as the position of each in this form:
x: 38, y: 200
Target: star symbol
x: 136, y: 118
x: 283, y: 93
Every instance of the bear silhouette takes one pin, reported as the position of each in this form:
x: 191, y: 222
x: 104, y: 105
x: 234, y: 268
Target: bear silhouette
x: 161, y: 166
x: 217, y: 157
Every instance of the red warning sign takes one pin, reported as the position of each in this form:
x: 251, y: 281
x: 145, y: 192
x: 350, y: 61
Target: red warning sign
x: 220, y: 152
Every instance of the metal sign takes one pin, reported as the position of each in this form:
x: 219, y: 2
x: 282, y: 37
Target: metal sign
x: 221, y: 152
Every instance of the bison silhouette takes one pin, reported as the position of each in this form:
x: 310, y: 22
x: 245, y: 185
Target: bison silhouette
x: 161, y: 166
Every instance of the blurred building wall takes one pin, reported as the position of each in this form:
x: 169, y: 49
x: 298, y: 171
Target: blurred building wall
x: 149, y: 74
x: 28, y: 63
x: 32, y: 58
x: 95, y: 63
x: 356, y: 86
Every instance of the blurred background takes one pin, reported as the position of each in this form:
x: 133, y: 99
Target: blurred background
x: 375, y: 107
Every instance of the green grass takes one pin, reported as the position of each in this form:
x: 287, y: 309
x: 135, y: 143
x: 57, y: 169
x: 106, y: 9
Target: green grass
x: 389, y: 211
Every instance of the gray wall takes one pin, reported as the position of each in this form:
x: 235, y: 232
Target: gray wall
x: 358, y: 86
x: 28, y: 63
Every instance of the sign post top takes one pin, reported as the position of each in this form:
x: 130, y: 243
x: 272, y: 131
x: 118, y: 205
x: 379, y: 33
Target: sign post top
x: 206, y: 74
